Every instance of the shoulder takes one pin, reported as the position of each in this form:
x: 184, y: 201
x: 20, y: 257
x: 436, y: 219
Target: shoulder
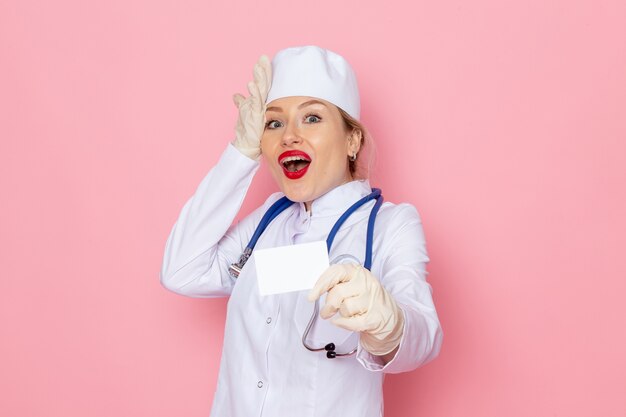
x: 398, y: 215
x: 401, y: 239
x: 399, y: 225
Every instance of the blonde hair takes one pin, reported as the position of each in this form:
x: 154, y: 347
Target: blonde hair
x: 361, y: 167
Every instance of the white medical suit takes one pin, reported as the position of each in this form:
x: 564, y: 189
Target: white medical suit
x: 265, y: 370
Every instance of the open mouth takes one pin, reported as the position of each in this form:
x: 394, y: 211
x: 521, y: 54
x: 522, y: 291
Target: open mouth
x: 294, y: 163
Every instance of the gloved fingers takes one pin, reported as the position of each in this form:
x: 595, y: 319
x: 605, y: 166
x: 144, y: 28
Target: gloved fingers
x: 238, y: 99
x: 355, y: 306
x: 336, y: 297
x: 259, y: 75
x: 333, y: 275
x: 264, y: 76
x: 251, y: 121
x: 354, y: 323
x: 259, y: 87
x: 255, y: 97
x: 253, y: 89
x: 266, y: 67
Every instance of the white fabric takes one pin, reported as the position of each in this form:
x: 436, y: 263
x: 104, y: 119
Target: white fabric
x: 265, y: 370
x: 315, y: 72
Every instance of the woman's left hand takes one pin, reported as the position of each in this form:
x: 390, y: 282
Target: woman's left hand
x: 251, y: 121
x: 364, y: 305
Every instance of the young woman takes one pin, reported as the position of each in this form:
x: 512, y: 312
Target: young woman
x: 276, y: 361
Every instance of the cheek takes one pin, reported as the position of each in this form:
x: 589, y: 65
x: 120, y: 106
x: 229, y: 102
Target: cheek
x: 333, y: 162
x: 267, y: 155
x: 266, y: 145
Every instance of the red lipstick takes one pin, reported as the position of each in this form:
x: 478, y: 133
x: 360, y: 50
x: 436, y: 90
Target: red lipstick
x: 292, y: 159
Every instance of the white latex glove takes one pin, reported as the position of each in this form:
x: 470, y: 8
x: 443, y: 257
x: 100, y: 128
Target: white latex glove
x: 364, y: 305
x: 251, y: 121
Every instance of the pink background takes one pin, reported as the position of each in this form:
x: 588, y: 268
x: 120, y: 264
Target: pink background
x: 504, y: 123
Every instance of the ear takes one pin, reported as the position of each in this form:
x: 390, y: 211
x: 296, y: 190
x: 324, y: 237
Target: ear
x: 354, y: 141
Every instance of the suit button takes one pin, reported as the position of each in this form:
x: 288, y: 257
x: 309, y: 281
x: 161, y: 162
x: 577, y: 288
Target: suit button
x: 269, y: 320
x: 259, y: 384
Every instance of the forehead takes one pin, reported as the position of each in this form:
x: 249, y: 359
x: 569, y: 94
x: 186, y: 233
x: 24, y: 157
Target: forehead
x: 285, y: 104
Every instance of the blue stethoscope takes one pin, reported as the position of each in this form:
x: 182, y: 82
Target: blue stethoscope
x: 277, y: 208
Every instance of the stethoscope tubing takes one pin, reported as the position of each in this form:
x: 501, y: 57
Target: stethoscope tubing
x: 278, y: 207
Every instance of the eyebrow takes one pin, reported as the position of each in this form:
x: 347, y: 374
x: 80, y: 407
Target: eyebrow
x: 306, y: 103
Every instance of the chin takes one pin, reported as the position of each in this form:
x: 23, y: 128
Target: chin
x: 297, y: 194
x: 298, y: 197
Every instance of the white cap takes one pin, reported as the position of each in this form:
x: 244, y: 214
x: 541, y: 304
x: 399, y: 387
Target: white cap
x: 315, y: 72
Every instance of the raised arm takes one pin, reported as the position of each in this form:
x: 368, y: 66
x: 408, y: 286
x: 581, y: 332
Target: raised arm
x: 203, y: 241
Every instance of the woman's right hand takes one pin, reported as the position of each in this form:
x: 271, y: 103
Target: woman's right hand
x: 251, y: 121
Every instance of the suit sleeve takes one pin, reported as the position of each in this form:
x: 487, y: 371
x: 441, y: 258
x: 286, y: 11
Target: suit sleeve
x: 204, y: 242
x: 404, y: 276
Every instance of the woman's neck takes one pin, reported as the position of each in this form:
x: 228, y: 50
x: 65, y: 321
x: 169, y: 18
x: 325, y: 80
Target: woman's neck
x: 308, y: 205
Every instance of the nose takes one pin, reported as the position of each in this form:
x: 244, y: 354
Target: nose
x: 291, y: 135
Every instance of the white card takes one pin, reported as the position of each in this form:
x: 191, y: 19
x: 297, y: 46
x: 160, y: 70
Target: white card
x: 290, y: 268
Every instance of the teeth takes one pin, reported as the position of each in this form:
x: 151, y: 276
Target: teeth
x: 293, y: 158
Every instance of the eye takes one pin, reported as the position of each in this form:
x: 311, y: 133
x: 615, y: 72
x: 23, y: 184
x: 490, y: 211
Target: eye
x: 272, y: 124
x: 312, y: 118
